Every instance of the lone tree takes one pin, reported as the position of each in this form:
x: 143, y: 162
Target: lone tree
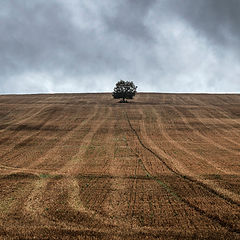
x: 124, y: 90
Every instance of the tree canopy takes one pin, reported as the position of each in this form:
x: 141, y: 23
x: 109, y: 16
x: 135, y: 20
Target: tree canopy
x: 124, y: 90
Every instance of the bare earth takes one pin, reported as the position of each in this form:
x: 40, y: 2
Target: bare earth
x: 83, y: 166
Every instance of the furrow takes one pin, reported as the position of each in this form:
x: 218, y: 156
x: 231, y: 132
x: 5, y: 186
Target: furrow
x: 72, y: 166
x: 190, y: 177
x: 198, y: 118
x: 185, y: 150
x: 206, y: 139
x: 214, y: 218
x: 225, y: 192
x: 55, y: 150
x: 16, y: 146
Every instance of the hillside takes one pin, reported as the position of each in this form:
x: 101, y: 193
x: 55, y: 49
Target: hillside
x: 83, y: 166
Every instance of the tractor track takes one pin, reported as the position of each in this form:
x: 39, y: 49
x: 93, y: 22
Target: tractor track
x: 214, y: 218
x: 186, y: 150
x: 197, y: 132
x: 221, y: 190
x: 98, y: 169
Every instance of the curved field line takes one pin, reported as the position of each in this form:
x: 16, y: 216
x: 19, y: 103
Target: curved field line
x: 218, y: 109
x: 33, y: 202
x: 109, y: 139
x: 28, y: 138
x: 222, y: 136
x: 78, y: 205
x: 214, y: 218
x: 88, y: 138
x: 71, y: 167
x: 133, y: 194
x: 27, y: 115
x: 224, y: 113
x: 74, y: 191
x: 187, y: 151
x: 165, y: 186
x: 73, y: 199
x: 198, y: 133
x: 208, y: 185
x: 115, y: 218
x: 196, y: 208
x: 16, y: 133
x: 98, y: 201
x: 224, y: 124
x: 10, y: 201
x: 100, y: 219
x: 234, y: 133
x: 53, y: 151
x: 24, y: 120
x: 113, y: 195
x: 33, y: 209
x: 118, y: 220
x: 214, y: 185
x: 20, y: 169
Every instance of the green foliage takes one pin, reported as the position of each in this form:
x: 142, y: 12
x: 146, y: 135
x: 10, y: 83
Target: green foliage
x: 44, y: 175
x: 124, y: 90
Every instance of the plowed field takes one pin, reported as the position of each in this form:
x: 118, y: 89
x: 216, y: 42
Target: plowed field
x: 83, y: 166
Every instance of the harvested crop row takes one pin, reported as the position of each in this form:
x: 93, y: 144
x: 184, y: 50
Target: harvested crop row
x: 79, y: 170
x: 230, y: 226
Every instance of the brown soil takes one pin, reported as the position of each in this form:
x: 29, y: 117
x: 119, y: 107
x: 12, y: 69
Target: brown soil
x: 84, y: 166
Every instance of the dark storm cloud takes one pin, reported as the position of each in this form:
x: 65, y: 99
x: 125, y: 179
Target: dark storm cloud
x: 218, y: 20
x: 32, y: 33
x: 79, y: 45
x: 129, y: 20
x: 41, y: 38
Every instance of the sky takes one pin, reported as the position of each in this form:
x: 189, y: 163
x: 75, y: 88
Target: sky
x: 87, y: 46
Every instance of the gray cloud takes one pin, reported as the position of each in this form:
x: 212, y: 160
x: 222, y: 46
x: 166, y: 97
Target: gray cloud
x: 78, y: 46
x: 128, y: 20
x: 218, y: 20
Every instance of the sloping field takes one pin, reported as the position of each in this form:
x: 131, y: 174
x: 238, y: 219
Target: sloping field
x: 83, y: 166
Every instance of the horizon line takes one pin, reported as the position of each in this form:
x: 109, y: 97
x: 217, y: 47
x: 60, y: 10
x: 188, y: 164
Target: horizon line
x: 53, y: 93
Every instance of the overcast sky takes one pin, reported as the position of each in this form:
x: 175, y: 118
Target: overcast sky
x: 87, y: 46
